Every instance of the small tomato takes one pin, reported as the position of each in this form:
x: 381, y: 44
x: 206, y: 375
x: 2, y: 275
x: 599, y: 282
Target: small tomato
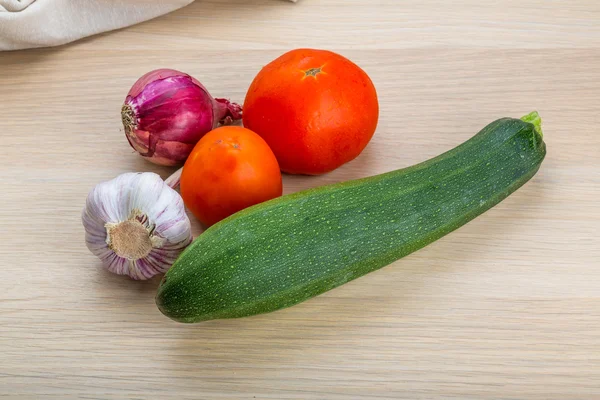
x: 230, y: 168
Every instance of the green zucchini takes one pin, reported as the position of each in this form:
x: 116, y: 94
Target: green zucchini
x: 285, y: 251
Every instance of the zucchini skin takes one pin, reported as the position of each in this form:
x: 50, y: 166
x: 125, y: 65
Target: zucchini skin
x: 290, y: 249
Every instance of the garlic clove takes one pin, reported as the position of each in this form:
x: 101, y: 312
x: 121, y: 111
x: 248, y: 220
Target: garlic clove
x: 136, y: 224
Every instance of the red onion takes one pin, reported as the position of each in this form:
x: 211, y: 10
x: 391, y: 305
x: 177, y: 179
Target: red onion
x: 166, y: 112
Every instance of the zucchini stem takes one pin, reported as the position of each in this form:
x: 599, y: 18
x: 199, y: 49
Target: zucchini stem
x: 535, y: 119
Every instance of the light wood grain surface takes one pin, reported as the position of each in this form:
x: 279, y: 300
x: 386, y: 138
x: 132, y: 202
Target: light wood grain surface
x: 507, y: 307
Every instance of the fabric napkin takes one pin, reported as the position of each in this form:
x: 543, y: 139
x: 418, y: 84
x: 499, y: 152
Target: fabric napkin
x: 39, y: 23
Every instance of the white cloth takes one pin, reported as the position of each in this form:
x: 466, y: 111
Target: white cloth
x: 39, y: 23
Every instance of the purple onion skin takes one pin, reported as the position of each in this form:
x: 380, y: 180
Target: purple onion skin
x: 167, y: 112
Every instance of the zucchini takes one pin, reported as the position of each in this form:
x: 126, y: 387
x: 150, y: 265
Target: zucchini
x: 287, y: 250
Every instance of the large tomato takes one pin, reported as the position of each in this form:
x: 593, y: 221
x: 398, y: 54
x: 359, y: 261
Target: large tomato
x: 230, y: 168
x: 316, y: 109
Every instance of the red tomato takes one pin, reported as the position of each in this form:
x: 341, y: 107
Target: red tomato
x: 230, y: 168
x: 316, y: 109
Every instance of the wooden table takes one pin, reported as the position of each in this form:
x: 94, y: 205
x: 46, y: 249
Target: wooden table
x: 507, y: 307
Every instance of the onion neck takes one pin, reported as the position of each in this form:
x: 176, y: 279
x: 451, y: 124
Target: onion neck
x: 227, y: 112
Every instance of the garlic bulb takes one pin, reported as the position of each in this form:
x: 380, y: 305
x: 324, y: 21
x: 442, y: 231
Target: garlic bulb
x: 136, y: 224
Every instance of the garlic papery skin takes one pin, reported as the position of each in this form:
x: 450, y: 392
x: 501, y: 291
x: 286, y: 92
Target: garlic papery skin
x: 136, y: 224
